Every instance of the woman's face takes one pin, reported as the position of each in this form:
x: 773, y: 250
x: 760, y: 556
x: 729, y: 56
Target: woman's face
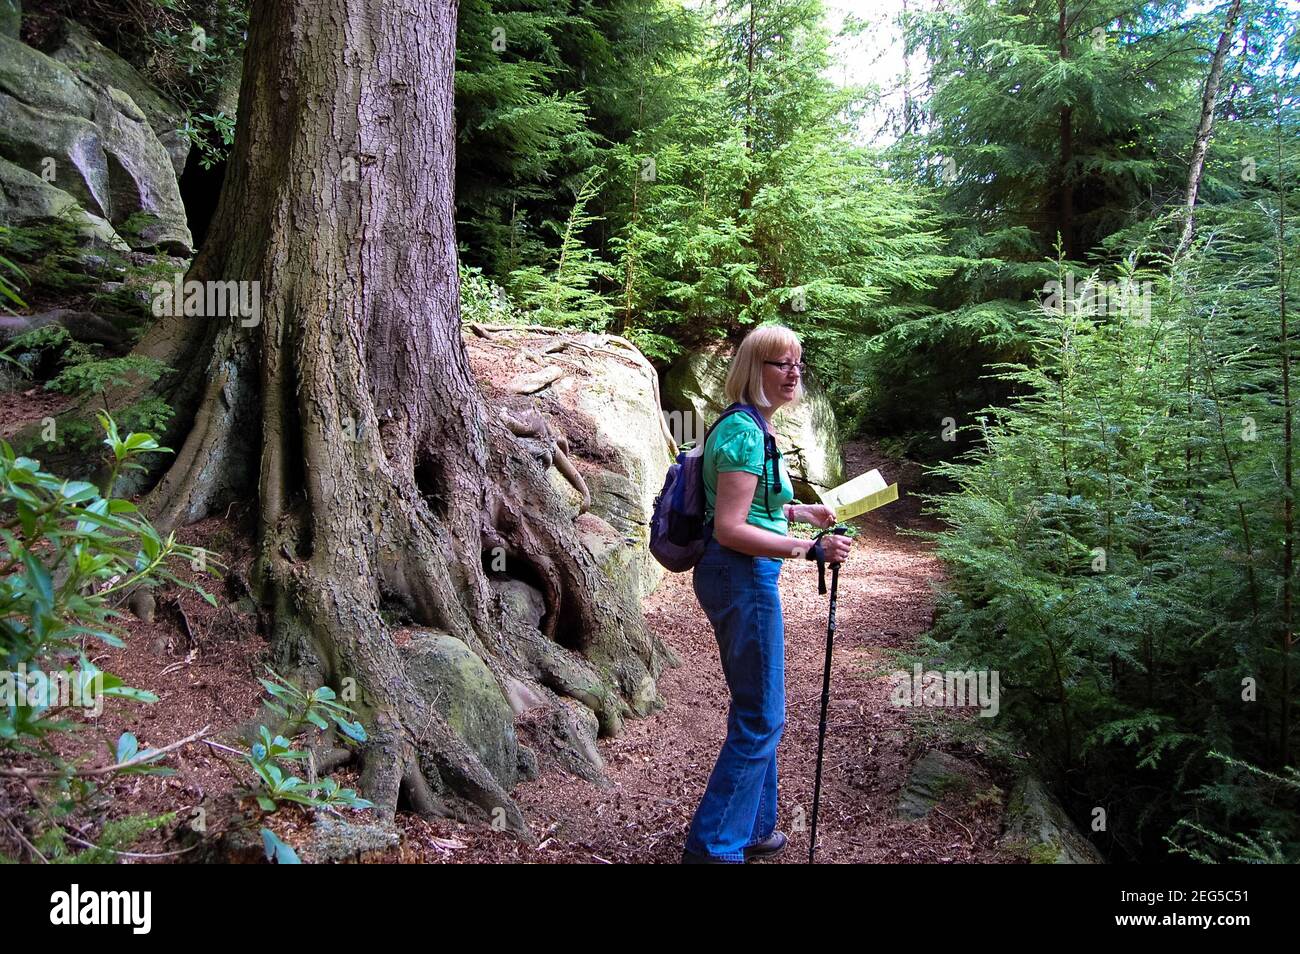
x: 779, y: 386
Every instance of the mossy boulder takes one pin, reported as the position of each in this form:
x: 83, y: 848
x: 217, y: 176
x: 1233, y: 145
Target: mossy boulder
x: 444, y: 671
x: 91, y: 140
x: 27, y: 199
x: 1037, y: 826
x: 935, y: 774
x: 334, y: 841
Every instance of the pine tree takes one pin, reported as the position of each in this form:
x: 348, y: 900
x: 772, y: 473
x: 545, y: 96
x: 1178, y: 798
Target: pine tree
x: 565, y: 295
x: 751, y: 201
x: 1123, y: 541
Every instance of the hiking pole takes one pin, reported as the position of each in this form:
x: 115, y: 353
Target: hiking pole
x: 826, y: 688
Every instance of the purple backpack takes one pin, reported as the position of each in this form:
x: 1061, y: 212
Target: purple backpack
x: 678, y: 531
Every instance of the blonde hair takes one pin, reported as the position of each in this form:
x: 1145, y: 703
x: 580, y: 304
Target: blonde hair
x: 745, y: 378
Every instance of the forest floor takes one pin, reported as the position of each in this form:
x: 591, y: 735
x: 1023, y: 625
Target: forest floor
x: 203, y: 663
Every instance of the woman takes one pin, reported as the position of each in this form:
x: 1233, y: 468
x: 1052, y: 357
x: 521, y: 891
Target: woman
x: 736, y: 584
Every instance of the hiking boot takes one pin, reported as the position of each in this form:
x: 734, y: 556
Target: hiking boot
x: 773, y: 845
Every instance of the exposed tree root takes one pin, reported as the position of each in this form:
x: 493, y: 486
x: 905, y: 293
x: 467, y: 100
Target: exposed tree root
x: 532, y: 424
x: 351, y: 529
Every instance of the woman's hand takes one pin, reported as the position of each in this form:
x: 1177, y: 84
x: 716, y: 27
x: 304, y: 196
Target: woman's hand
x: 836, y: 547
x: 819, y: 515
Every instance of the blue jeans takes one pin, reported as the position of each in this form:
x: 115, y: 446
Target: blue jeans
x: 739, y: 595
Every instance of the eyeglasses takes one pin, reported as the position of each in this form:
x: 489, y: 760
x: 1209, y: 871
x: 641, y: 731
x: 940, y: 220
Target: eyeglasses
x: 786, y: 366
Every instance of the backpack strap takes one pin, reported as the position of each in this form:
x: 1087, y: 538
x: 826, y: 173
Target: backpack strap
x: 769, y: 449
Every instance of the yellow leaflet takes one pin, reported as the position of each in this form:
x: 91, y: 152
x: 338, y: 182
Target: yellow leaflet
x: 860, y: 495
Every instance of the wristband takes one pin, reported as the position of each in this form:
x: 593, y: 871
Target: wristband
x: 815, y: 552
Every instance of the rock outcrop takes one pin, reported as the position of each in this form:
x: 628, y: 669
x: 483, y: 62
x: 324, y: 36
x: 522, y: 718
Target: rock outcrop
x: 93, y: 61
x: 601, y: 393
x: 76, y: 132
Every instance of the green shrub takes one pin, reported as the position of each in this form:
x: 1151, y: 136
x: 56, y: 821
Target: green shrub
x: 86, y: 375
x: 270, y: 755
x: 9, y: 296
x: 51, y: 255
x: 482, y: 301
x: 70, y: 550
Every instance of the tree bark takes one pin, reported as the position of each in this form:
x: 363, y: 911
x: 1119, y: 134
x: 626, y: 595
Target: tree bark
x: 1286, y: 636
x: 1065, y: 188
x: 1206, y: 126
x: 383, y: 483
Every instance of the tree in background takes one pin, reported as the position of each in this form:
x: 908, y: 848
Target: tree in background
x: 1038, y: 122
x: 543, y: 90
x: 751, y: 201
x: 519, y: 136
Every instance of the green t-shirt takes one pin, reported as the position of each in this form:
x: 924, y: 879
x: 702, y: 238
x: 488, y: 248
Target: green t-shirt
x: 737, y: 444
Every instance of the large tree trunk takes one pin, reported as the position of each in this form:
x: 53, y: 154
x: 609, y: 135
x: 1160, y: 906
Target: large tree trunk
x: 351, y: 411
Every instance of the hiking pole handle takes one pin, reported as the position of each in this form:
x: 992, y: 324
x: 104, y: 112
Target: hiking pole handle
x: 841, y: 530
x: 821, y: 560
